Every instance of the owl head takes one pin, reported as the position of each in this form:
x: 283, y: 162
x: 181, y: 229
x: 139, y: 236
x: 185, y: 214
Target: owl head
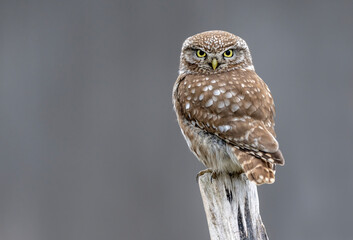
x: 214, y: 52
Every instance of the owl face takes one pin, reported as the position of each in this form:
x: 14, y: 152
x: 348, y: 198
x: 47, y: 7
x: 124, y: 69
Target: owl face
x: 214, y: 52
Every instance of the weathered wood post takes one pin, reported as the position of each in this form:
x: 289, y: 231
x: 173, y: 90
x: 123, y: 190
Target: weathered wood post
x: 232, y: 207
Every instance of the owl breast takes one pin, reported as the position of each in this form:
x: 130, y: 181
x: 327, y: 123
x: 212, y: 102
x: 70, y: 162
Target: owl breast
x: 212, y: 151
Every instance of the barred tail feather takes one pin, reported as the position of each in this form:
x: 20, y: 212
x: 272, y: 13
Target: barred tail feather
x: 256, y: 169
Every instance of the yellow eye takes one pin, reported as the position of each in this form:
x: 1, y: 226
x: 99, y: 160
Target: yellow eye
x: 200, y: 53
x: 228, y: 53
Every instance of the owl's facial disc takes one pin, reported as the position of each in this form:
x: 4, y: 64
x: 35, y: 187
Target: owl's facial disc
x: 206, y: 60
x: 214, y: 52
x: 211, y: 61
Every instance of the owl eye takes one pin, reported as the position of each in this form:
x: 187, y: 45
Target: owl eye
x: 200, y: 53
x: 229, y: 53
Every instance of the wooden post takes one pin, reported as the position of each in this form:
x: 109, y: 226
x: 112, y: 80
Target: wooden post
x: 232, y: 207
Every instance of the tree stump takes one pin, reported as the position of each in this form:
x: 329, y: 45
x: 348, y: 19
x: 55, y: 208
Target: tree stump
x: 232, y: 207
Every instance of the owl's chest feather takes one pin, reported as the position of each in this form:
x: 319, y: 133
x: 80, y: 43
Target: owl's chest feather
x: 212, y: 151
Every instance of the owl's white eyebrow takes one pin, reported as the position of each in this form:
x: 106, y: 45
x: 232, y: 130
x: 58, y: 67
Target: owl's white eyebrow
x: 197, y: 48
x: 231, y: 47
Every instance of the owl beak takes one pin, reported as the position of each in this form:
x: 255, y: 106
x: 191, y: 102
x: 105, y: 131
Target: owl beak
x: 214, y: 63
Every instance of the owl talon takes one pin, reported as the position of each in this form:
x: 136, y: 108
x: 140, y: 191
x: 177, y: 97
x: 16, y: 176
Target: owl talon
x: 208, y: 170
x: 214, y: 175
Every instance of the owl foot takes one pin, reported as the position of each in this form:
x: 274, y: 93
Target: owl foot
x: 208, y: 170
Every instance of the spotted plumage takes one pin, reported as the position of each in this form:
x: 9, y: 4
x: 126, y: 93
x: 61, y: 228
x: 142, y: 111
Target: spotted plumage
x: 225, y: 110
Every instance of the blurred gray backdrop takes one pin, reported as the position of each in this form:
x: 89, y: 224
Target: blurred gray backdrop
x: 89, y: 144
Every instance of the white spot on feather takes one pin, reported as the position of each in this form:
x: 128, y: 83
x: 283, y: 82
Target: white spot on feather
x: 224, y: 128
x: 187, y: 106
x: 209, y: 103
x: 228, y: 95
x: 201, y: 96
x: 221, y: 104
x: 247, y: 105
x: 234, y: 107
x: 216, y: 92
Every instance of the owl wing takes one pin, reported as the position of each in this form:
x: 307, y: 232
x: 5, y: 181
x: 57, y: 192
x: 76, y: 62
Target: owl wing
x: 239, y: 112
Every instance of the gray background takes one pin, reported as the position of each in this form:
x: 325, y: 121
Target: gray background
x: 89, y: 144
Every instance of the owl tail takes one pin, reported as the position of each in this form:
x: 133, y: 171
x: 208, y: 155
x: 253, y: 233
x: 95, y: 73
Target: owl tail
x: 256, y: 169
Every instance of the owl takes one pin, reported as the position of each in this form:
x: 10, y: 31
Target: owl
x: 224, y: 109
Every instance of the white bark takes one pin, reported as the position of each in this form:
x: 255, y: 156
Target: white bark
x: 232, y: 207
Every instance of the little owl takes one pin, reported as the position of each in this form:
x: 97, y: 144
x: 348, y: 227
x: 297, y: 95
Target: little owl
x: 224, y: 109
